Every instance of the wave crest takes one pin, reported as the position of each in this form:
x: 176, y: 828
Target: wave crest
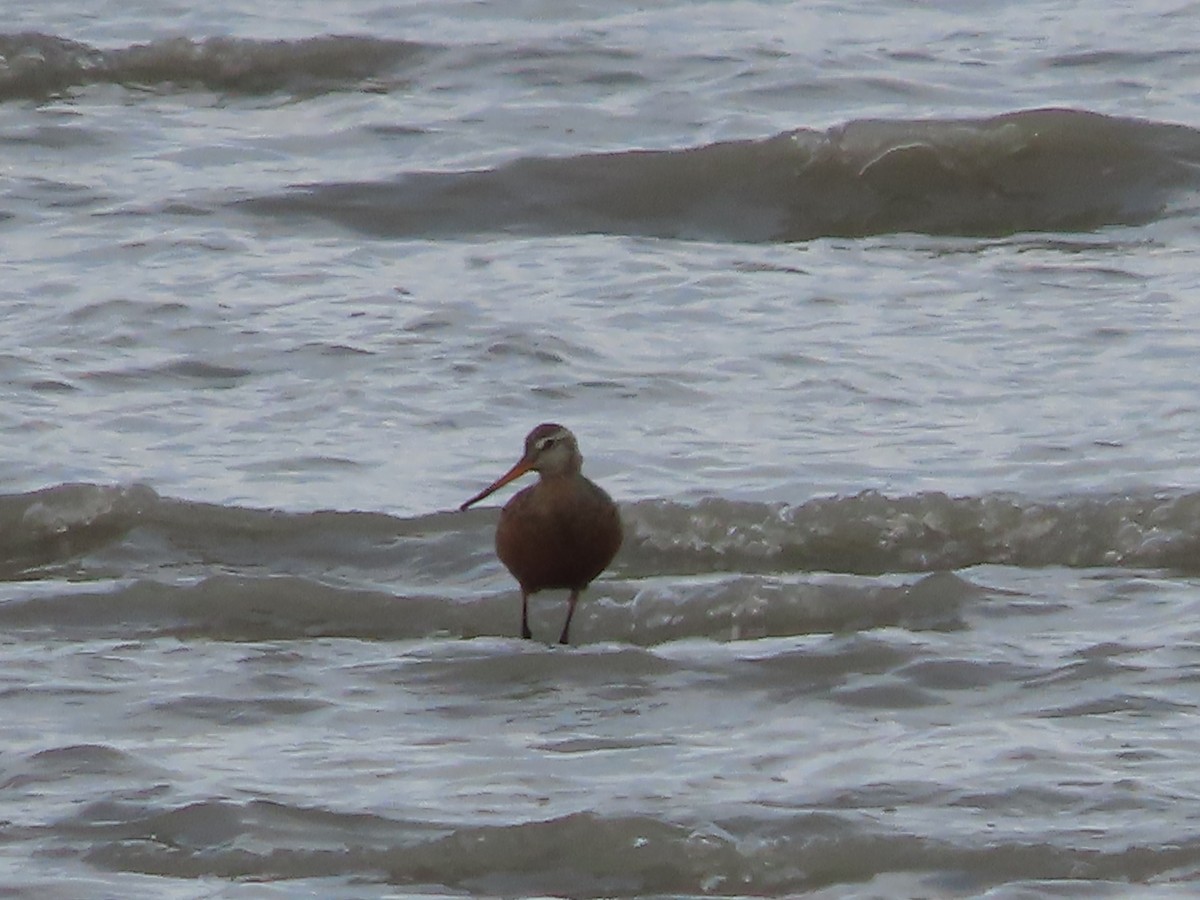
x: 1035, y: 170
x: 36, y: 66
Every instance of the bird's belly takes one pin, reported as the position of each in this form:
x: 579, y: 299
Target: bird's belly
x: 544, y: 555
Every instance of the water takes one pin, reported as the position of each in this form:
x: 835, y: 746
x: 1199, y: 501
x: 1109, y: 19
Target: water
x: 878, y: 321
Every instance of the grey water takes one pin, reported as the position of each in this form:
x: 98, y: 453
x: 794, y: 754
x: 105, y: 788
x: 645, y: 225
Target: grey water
x: 877, y: 320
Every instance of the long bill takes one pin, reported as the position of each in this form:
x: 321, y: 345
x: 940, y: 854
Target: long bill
x: 511, y: 475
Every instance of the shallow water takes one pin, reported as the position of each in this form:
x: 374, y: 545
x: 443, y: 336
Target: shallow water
x: 877, y: 322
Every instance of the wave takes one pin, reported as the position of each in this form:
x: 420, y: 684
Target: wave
x: 869, y: 533
x: 873, y: 533
x: 1033, y: 170
x: 37, y: 66
x: 274, y: 608
x: 1024, y: 171
x: 799, y: 849
x: 92, y: 559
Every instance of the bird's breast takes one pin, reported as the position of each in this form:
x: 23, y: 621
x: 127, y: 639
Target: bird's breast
x: 558, y: 533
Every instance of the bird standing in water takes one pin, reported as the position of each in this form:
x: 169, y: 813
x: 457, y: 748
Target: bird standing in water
x: 559, y: 533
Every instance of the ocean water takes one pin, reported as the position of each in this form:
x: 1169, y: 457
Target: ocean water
x: 878, y: 321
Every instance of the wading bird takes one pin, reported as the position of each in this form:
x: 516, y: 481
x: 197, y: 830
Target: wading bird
x: 559, y: 533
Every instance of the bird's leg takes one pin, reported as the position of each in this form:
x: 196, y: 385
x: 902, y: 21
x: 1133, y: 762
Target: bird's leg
x: 525, y: 632
x: 571, y: 601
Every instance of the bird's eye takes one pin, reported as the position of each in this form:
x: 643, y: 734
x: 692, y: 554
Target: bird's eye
x: 546, y: 442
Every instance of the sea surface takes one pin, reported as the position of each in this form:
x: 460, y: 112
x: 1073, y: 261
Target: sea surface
x: 881, y: 322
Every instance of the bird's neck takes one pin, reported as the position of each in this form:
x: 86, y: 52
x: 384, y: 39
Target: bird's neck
x: 559, y: 475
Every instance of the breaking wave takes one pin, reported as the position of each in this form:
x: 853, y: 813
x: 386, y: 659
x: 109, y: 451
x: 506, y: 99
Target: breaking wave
x: 1035, y: 170
x: 38, y: 66
x: 123, y: 560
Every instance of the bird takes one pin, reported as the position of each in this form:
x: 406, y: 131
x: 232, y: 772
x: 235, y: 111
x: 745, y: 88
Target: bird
x: 560, y: 532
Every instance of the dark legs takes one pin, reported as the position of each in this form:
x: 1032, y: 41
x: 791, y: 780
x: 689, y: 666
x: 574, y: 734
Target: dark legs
x: 562, y: 638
